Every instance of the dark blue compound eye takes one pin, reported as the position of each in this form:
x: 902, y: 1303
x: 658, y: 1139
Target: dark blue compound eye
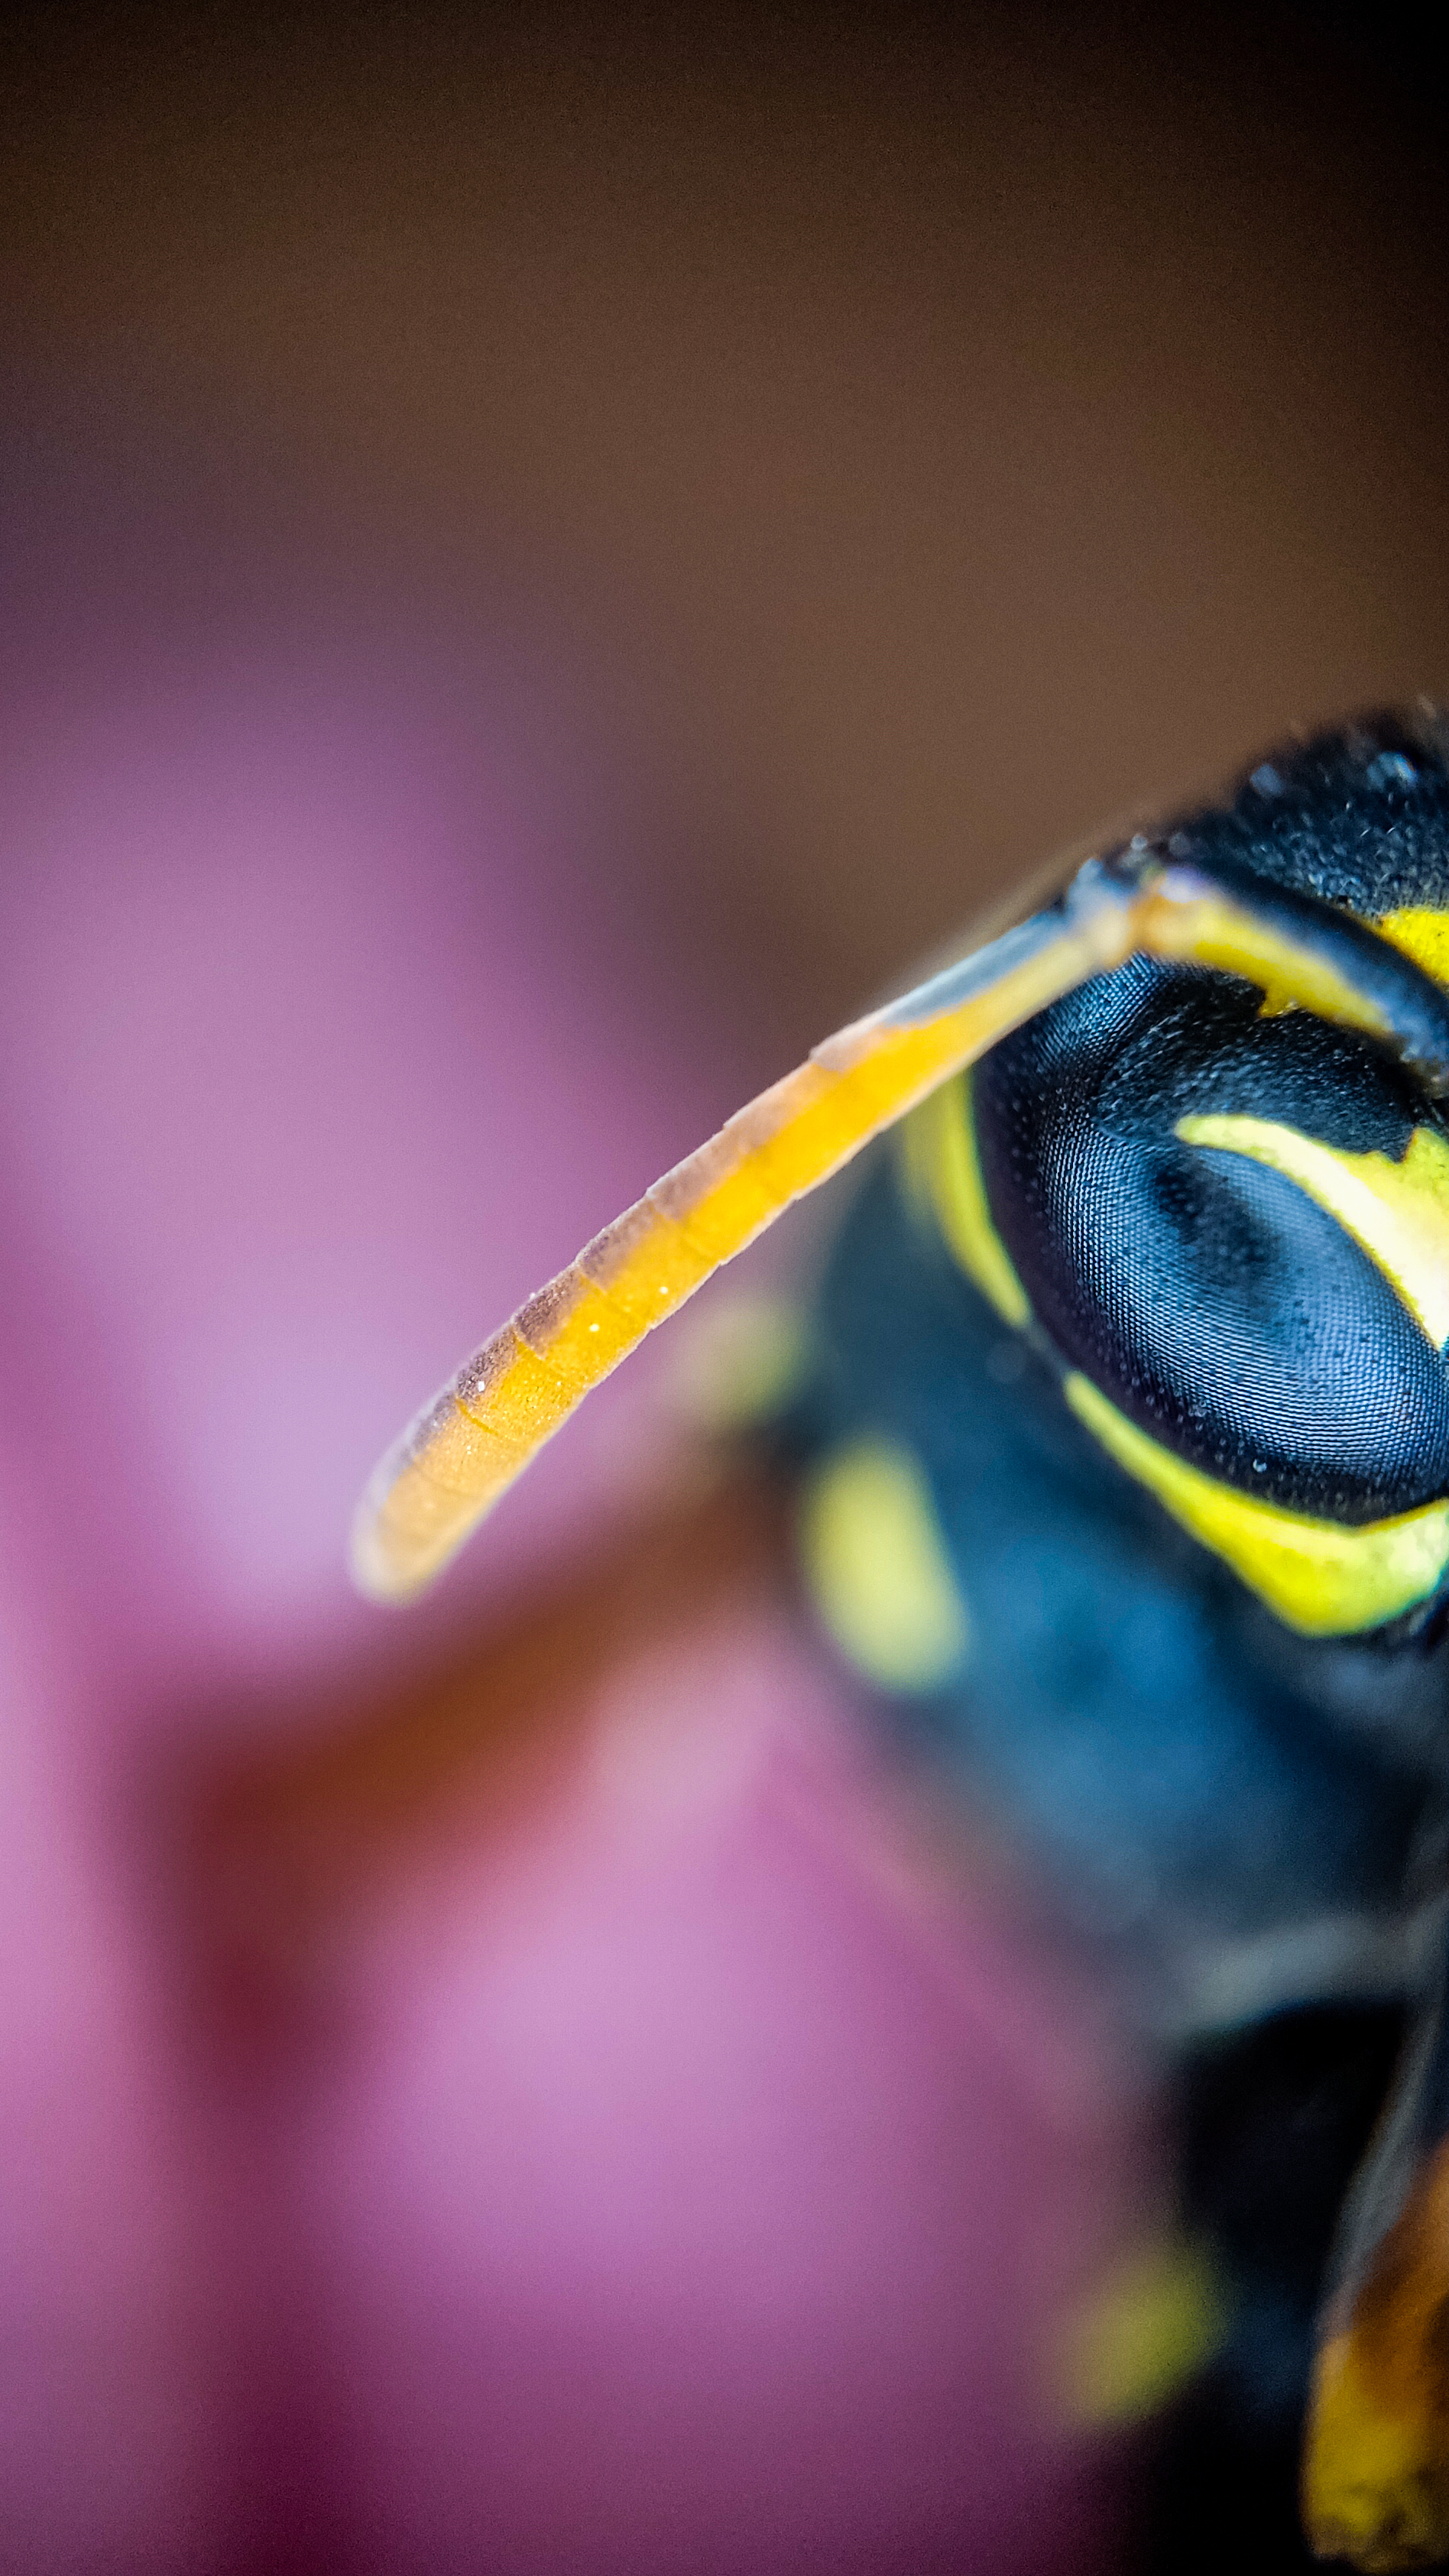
x: 1212, y: 1300
x: 1225, y: 1309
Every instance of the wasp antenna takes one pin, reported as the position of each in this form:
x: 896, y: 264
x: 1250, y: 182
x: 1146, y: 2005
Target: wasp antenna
x: 462, y: 1453
x: 465, y: 1449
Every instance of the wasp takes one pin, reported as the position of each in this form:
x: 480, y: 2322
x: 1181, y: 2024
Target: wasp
x: 1122, y: 1438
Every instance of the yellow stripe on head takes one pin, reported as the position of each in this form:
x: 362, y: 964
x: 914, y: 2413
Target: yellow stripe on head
x: 1422, y: 934
x: 1397, y: 1212
x: 945, y: 1168
x: 1321, y: 1577
x: 1210, y: 929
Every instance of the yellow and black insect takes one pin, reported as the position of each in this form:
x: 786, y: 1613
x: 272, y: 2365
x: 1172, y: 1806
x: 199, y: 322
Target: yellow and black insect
x: 1124, y: 1448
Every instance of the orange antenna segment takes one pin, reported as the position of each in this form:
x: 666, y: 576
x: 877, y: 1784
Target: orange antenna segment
x: 465, y: 1449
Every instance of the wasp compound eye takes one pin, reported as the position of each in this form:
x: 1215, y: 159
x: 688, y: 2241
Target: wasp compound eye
x: 1238, y: 1228
x: 1226, y: 1208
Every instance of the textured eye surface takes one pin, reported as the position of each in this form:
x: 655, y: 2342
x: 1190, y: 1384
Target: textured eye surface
x: 1233, y: 1218
x: 1215, y: 1301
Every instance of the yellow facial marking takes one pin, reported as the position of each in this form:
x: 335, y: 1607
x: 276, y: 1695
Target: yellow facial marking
x: 1397, y: 1212
x: 1320, y: 1577
x: 1423, y: 935
x: 1276, y: 1003
x: 940, y: 1146
x: 1212, y: 930
x: 877, y: 1566
x: 1376, y: 2467
x: 1142, y: 2336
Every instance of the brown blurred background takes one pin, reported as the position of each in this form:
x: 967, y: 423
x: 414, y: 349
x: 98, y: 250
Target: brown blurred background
x: 874, y: 447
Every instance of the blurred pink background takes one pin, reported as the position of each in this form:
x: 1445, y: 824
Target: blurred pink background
x: 541, y: 564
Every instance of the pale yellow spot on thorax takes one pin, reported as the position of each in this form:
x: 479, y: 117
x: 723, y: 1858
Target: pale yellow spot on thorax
x: 1397, y: 1212
x: 1142, y: 2336
x: 877, y: 1566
